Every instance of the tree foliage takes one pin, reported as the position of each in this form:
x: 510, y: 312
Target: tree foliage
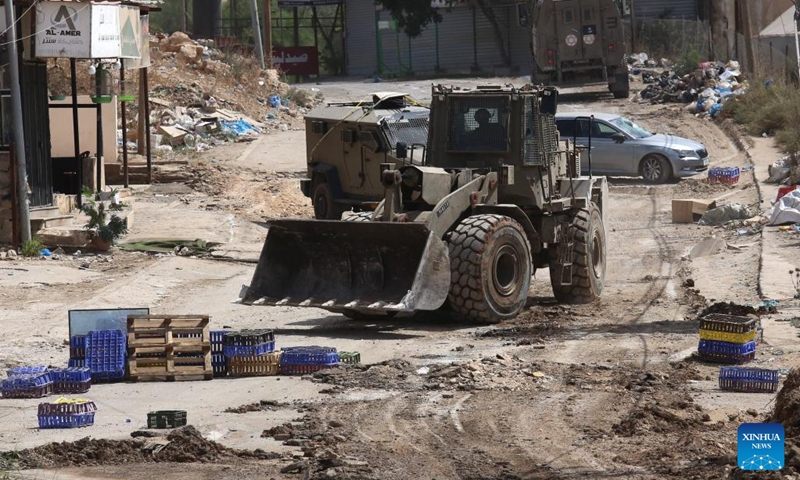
x: 412, y: 16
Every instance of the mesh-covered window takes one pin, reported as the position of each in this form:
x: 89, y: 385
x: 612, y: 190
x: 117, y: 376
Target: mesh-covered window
x: 409, y: 131
x: 540, y: 134
x: 478, y: 124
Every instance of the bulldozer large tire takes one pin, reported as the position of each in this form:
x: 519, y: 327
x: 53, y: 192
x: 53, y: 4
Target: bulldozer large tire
x: 588, y: 260
x: 491, y: 268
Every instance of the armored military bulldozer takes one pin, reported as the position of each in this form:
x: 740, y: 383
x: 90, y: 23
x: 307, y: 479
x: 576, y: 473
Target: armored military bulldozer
x: 496, y: 198
x: 346, y: 144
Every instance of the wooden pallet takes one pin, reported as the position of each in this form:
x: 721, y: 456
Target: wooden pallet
x: 169, y: 347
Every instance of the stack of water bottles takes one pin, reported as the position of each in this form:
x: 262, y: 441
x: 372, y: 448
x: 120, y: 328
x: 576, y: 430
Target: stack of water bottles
x: 724, y: 175
x: 728, y: 339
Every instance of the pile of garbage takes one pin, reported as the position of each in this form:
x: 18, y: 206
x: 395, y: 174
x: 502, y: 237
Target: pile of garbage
x: 202, y: 96
x: 706, y: 89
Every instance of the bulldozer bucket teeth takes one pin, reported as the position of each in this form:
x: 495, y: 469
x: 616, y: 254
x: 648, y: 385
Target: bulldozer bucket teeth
x: 368, y: 267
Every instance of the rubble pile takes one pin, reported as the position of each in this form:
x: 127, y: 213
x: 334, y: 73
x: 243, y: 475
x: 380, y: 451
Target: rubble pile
x: 203, y: 96
x: 183, y: 445
x: 319, y: 454
x: 200, y: 95
x: 706, y: 89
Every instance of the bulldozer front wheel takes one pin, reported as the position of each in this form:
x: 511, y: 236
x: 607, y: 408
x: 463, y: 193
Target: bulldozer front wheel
x: 324, y: 206
x: 588, y: 260
x: 491, y: 268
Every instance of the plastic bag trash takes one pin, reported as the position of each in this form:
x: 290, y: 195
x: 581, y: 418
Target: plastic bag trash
x: 283, y: 127
x: 708, y: 93
x: 164, y: 148
x: 46, y: 253
x: 189, y: 140
x: 721, y: 215
x: 271, y: 116
x: 778, y: 172
x: 715, y: 109
x: 240, y: 128
x: 275, y: 101
x: 786, y: 210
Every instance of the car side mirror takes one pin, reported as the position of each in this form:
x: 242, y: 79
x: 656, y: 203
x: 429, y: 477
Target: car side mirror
x: 618, y: 138
x: 401, y: 150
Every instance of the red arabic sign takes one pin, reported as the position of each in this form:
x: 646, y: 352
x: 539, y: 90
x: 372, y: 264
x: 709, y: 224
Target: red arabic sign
x: 296, y: 60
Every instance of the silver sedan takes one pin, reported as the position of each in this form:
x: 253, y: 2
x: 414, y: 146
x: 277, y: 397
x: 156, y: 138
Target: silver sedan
x: 622, y: 148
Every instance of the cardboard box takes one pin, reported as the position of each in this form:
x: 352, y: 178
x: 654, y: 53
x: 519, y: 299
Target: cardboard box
x: 690, y: 210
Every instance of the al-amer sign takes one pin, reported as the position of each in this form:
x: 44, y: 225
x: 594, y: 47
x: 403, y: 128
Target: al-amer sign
x: 77, y: 30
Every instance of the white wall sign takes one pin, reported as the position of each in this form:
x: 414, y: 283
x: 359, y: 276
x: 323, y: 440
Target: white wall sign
x: 63, y: 29
x: 105, y: 31
x: 130, y: 31
x: 77, y: 30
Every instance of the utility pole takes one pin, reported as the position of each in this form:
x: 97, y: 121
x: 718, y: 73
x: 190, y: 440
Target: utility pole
x: 268, y: 32
x: 748, y: 36
x: 634, y: 41
x: 19, y: 134
x: 185, y: 16
x: 257, y: 32
x: 797, y: 34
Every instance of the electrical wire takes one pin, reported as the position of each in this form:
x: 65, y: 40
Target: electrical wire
x: 20, y: 18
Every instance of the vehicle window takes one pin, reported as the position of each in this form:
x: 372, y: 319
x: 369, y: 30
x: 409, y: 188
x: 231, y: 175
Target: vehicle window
x: 566, y: 128
x: 587, y: 15
x: 568, y: 16
x: 478, y: 125
x: 601, y: 130
x: 627, y: 126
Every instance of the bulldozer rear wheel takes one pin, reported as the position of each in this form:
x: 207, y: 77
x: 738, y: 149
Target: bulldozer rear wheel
x: 491, y: 269
x: 588, y: 260
x: 324, y: 206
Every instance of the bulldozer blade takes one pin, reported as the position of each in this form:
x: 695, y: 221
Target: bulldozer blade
x: 370, y: 267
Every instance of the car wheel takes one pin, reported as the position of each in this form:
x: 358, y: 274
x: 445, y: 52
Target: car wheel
x: 655, y: 169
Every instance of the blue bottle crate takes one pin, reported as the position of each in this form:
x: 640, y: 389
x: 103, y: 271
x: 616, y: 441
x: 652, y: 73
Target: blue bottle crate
x: 753, y: 380
x: 217, y: 338
x: 312, y: 355
x: 724, y: 352
x: 27, y: 386
x: 76, y: 362
x: 66, y: 421
x: 66, y: 415
x: 27, y: 370
x: 248, y: 350
x: 219, y: 365
x: 105, y: 354
x: 74, y: 375
x: 245, y: 338
x: 77, y: 346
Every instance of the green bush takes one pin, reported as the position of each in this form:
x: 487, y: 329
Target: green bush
x: 688, y: 62
x: 32, y: 248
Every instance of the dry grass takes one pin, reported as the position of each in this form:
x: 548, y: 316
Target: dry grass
x: 774, y: 110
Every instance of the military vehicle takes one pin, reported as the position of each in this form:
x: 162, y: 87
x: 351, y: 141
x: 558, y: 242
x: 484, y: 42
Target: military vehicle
x: 346, y: 144
x: 496, y: 198
x: 580, y: 42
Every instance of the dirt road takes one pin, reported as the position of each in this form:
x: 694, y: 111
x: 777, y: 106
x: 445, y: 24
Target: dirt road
x: 607, y: 390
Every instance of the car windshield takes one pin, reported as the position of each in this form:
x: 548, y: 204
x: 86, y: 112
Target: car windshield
x: 630, y: 128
